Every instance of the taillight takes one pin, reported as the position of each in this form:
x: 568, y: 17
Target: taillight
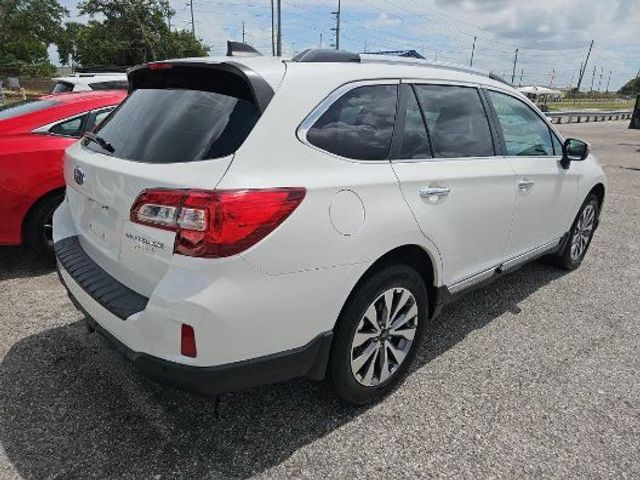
x: 216, y: 223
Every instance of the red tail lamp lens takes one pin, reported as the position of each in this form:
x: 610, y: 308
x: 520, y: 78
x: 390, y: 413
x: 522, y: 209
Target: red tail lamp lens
x: 216, y: 223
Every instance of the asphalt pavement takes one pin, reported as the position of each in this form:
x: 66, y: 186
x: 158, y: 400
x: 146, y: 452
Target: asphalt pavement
x: 534, y: 376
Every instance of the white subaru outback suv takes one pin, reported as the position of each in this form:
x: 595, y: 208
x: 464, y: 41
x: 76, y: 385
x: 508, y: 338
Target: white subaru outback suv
x: 243, y: 220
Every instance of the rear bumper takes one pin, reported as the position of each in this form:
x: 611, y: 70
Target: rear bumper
x: 79, y: 273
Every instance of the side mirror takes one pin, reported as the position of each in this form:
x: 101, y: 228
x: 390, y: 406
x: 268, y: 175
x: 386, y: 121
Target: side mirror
x: 573, y: 150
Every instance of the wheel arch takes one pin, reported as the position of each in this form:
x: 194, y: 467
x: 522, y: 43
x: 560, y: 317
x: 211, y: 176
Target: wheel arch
x: 416, y: 257
x: 599, y: 191
x: 34, y: 206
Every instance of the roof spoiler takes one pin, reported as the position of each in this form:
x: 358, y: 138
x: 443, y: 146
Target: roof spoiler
x: 239, y: 49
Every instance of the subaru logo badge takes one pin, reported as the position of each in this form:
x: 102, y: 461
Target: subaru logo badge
x: 78, y: 175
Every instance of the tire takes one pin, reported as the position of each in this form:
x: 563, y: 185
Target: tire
x: 39, y: 226
x: 356, y: 371
x: 580, y: 235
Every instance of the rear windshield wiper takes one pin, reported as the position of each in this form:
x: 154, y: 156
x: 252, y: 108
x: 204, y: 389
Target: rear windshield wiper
x: 100, y: 141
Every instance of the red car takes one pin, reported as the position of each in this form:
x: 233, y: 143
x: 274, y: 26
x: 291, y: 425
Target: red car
x: 33, y: 137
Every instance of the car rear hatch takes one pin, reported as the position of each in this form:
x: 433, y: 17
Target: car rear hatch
x: 178, y: 128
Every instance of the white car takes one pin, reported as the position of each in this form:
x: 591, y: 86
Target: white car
x: 85, y: 82
x: 239, y: 221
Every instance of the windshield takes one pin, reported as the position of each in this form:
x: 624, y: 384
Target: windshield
x: 176, y: 125
x: 27, y: 106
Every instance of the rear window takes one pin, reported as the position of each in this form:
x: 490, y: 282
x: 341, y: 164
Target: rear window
x: 22, y: 108
x: 110, y: 85
x: 171, y: 125
x: 62, y: 87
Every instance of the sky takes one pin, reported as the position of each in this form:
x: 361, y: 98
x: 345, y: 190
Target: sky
x: 552, y: 36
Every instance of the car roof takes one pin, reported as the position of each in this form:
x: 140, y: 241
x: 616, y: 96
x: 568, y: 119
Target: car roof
x: 370, y: 67
x: 66, y: 105
x: 68, y: 98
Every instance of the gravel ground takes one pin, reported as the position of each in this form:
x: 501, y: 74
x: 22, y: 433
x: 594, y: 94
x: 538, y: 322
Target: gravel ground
x: 537, y: 375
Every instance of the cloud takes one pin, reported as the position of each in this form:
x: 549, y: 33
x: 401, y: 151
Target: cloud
x: 383, y: 20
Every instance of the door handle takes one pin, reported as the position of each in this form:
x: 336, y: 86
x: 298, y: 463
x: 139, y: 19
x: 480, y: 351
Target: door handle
x: 439, y: 192
x: 526, y: 184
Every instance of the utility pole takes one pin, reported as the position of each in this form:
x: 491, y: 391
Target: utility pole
x: 553, y: 78
x: 243, y: 33
x: 609, y: 81
x: 593, y: 78
x: 279, y: 37
x: 521, y: 75
x: 337, y: 27
x: 436, y: 55
x: 584, y: 67
x: 320, y: 46
x: 193, y: 22
x: 515, y: 64
x: 573, y: 76
x: 600, y: 80
x: 473, y: 51
x: 273, y: 32
x: 366, y: 45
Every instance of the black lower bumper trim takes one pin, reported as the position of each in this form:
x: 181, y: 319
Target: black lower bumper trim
x: 309, y: 360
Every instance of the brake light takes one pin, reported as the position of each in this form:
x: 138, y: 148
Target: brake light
x: 216, y: 223
x: 188, y: 341
x: 159, y: 66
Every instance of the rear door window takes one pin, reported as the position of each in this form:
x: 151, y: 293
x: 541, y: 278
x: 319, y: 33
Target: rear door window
x: 70, y: 128
x: 359, y: 125
x: 457, y: 121
x: 167, y: 125
x: 415, y: 142
x: 97, y: 117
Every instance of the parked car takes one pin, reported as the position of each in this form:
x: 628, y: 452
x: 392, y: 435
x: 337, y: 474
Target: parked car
x: 86, y: 82
x: 33, y: 136
x: 240, y: 221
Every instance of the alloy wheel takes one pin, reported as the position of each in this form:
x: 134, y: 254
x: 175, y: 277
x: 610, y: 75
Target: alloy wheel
x: 582, y: 232
x: 384, y: 337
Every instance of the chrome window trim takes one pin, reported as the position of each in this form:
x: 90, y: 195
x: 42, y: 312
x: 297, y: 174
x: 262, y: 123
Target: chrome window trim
x: 328, y: 101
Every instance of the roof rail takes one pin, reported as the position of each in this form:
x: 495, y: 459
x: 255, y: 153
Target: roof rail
x: 393, y: 60
x: 333, y: 56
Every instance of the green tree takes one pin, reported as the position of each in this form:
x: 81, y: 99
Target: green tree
x: 125, y: 32
x: 632, y: 87
x: 27, y: 27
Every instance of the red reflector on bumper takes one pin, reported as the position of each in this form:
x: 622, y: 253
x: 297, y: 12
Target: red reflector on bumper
x: 188, y: 341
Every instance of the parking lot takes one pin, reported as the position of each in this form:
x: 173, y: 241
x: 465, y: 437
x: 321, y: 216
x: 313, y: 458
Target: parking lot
x: 536, y: 375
